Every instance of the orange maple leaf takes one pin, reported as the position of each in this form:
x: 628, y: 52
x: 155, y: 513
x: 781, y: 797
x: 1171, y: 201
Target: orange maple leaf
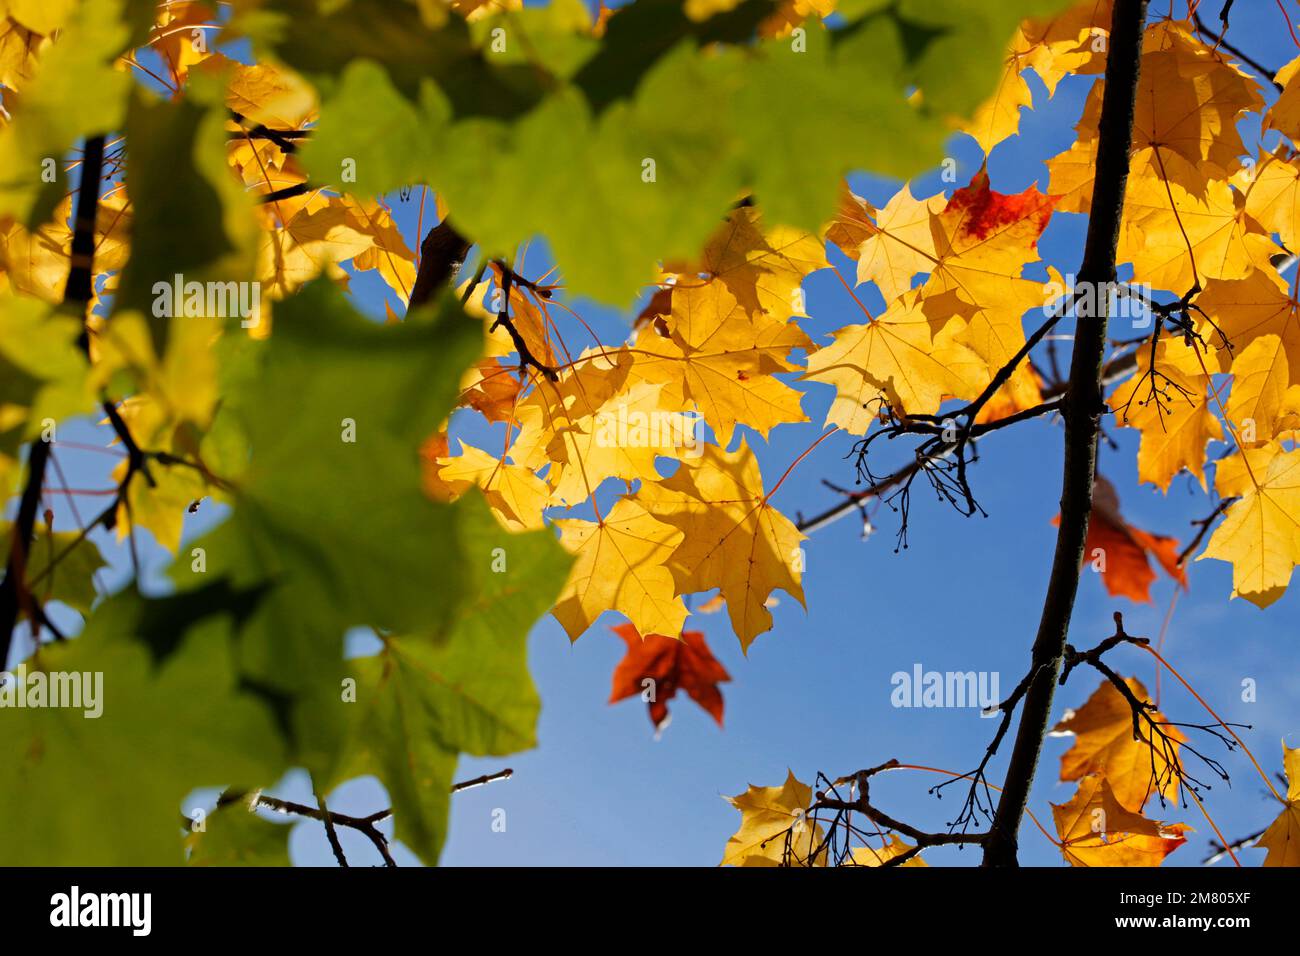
x: 670, y: 665
x: 1104, y: 743
x: 1123, y: 549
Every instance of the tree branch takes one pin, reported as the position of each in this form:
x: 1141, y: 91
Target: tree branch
x: 332, y: 819
x: 1258, y: 67
x: 1082, y: 415
x: 78, y: 291
x: 441, y: 254
x: 13, y: 590
x: 81, y: 277
x: 1114, y: 370
x: 328, y: 819
x: 1170, y: 769
x: 1203, y: 528
x: 824, y: 800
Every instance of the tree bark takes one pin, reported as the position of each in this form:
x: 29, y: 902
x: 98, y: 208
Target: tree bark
x: 1082, y: 414
x: 441, y: 254
x: 11, y: 589
x: 78, y: 290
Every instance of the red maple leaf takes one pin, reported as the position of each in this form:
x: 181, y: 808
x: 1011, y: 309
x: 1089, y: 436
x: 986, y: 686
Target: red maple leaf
x: 987, y: 212
x: 668, y: 664
x: 1126, y: 570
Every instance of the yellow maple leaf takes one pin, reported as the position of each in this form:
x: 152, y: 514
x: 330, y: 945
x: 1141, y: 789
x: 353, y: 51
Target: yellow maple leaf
x: 1189, y: 98
x: 620, y: 566
x: 1260, y: 534
x: 1245, y: 309
x: 722, y: 360
x: 516, y: 495
x: 901, y: 243
x: 37, y: 263
x: 773, y: 829
x: 578, y: 392
x: 182, y: 33
x: 20, y: 50
x: 263, y: 93
x: 305, y: 236
x: 491, y: 389
x: 1173, y: 235
x: 1096, y: 830
x: 389, y: 254
x: 1284, y: 114
x: 1188, y: 103
x: 983, y: 239
x: 880, y: 855
x: 620, y: 438
x: 896, y: 357
x: 1282, y: 838
x: 998, y: 117
x: 1273, y: 194
x: 853, y: 224
x: 1261, y: 376
x: 732, y: 538
x: 762, y: 268
x: 1072, y: 41
x: 1169, y: 402
x: 1104, y: 744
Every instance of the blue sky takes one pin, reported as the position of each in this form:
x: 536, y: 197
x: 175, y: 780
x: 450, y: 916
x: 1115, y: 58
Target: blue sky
x: 814, y: 693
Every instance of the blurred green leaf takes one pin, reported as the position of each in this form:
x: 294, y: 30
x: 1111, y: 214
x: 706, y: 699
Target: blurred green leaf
x: 164, y: 728
x: 462, y: 688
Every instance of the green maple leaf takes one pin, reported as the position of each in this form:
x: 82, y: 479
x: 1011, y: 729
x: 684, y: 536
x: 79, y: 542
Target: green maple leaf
x: 460, y: 688
x: 108, y: 790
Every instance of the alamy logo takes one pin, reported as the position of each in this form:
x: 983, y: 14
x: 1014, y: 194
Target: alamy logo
x: 79, y: 690
x: 72, y: 909
x: 922, y: 688
x: 633, y: 428
x: 1091, y: 300
x: 212, y: 300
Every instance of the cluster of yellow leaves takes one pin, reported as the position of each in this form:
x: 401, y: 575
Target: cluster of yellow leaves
x: 946, y: 337
x: 25, y: 28
x: 720, y: 330
x: 1074, y: 41
x: 716, y: 337
x: 773, y: 828
x: 36, y: 263
x: 315, y: 232
x: 302, y: 236
x: 1170, y: 401
x: 174, y: 401
x: 1102, y: 824
x: 1200, y: 217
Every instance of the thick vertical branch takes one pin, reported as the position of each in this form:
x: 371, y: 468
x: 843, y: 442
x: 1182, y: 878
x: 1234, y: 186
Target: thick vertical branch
x: 81, y: 277
x: 441, y: 254
x: 1082, y: 415
x: 78, y: 291
x: 12, y: 588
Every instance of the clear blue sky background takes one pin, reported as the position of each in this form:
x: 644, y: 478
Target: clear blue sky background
x: 814, y: 693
